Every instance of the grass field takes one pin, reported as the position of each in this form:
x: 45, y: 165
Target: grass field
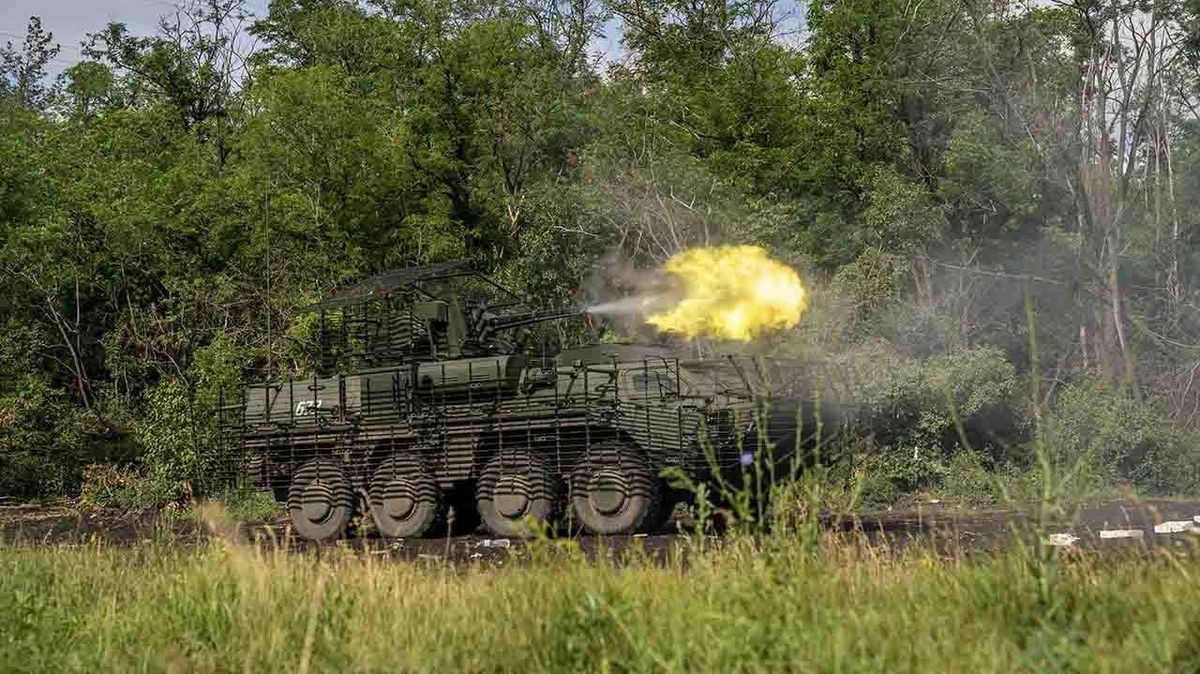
x: 230, y: 607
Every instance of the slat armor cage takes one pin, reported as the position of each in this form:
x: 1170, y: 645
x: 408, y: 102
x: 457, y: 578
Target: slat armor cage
x: 425, y: 378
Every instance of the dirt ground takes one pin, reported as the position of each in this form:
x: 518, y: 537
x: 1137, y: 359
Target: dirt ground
x: 1107, y: 525
x: 64, y: 525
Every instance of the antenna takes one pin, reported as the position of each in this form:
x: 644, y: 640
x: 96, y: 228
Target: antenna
x: 270, y: 335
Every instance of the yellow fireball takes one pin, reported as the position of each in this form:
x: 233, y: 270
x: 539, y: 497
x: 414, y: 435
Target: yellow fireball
x: 730, y: 292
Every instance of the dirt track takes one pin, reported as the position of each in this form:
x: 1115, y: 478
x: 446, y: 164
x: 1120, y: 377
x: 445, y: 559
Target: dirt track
x: 1108, y: 525
x: 45, y: 525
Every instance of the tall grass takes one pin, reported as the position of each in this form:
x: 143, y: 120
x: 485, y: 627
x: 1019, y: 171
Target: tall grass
x: 229, y: 607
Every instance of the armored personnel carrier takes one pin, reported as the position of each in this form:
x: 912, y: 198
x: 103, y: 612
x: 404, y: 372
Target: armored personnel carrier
x: 432, y: 392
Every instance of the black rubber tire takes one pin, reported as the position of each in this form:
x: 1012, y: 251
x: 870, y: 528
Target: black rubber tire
x: 321, y: 502
x: 614, y: 491
x: 514, y: 488
x: 405, y: 500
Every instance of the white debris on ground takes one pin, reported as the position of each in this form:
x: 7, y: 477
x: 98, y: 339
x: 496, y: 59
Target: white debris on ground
x: 1175, y: 527
x: 1061, y: 540
x: 1122, y: 533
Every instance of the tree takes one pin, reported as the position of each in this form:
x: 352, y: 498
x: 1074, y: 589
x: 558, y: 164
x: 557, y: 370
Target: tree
x: 193, y: 65
x: 23, y: 72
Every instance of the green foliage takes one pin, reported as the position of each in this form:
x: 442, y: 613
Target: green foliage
x: 973, y: 478
x: 44, y: 440
x: 242, y: 504
x: 89, y: 88
x: 1100, y: 437
x: 951, y: 426
x: 172, y: 450
x: 177, y: 429
x: 872, y: 283
x: 924, y: 413
x: 186, y: 66
x: 990, y: 185
x: 900, y: 215
x: 107, y: 485
x: 23, y: 72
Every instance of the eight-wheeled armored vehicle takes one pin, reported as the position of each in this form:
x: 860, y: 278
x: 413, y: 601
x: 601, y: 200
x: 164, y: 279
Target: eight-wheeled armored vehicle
x: 432, y: 394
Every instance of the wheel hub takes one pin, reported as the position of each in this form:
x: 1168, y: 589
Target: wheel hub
x: 607, y: 491
x: 317, y: 501
x: 512, y: 496
x: 399, y: 500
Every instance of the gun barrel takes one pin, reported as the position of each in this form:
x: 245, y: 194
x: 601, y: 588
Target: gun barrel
x: 521, y: 320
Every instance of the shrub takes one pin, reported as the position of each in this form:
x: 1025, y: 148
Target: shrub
x: 248, y: 505
x: 922, y: 413
x: 889, y: 476
x: 900, y: 215
x: 1104, y: 437
x: 171, y: 434
x: 177, y: 428
x: 43, y: 441
x: 970, y: 479
x: 114, y: 486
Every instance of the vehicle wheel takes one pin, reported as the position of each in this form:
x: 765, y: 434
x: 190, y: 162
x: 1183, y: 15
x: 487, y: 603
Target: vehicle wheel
x: 320, y: 500
x: 614, y: 491
x: 405, y: 499
x: 513, y: 489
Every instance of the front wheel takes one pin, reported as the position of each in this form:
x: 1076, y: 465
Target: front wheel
x: 614, y: 491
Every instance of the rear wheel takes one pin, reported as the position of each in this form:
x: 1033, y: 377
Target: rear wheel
x: 320, y: 500
x: 613, y: 491
x: 514, y: 489
x: 405, y: 499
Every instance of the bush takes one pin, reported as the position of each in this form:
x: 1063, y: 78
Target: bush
x: 870, y: 284
x: 43, y: 441
x: 1104, y: 437
x: 168, y: 432
x: 900, y: 215
x: 248, y: 505
x: 889, y: 477
x: 921, y: 414
x: 973, y: 479
x: 177, y: 428
x: 113, y: 486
